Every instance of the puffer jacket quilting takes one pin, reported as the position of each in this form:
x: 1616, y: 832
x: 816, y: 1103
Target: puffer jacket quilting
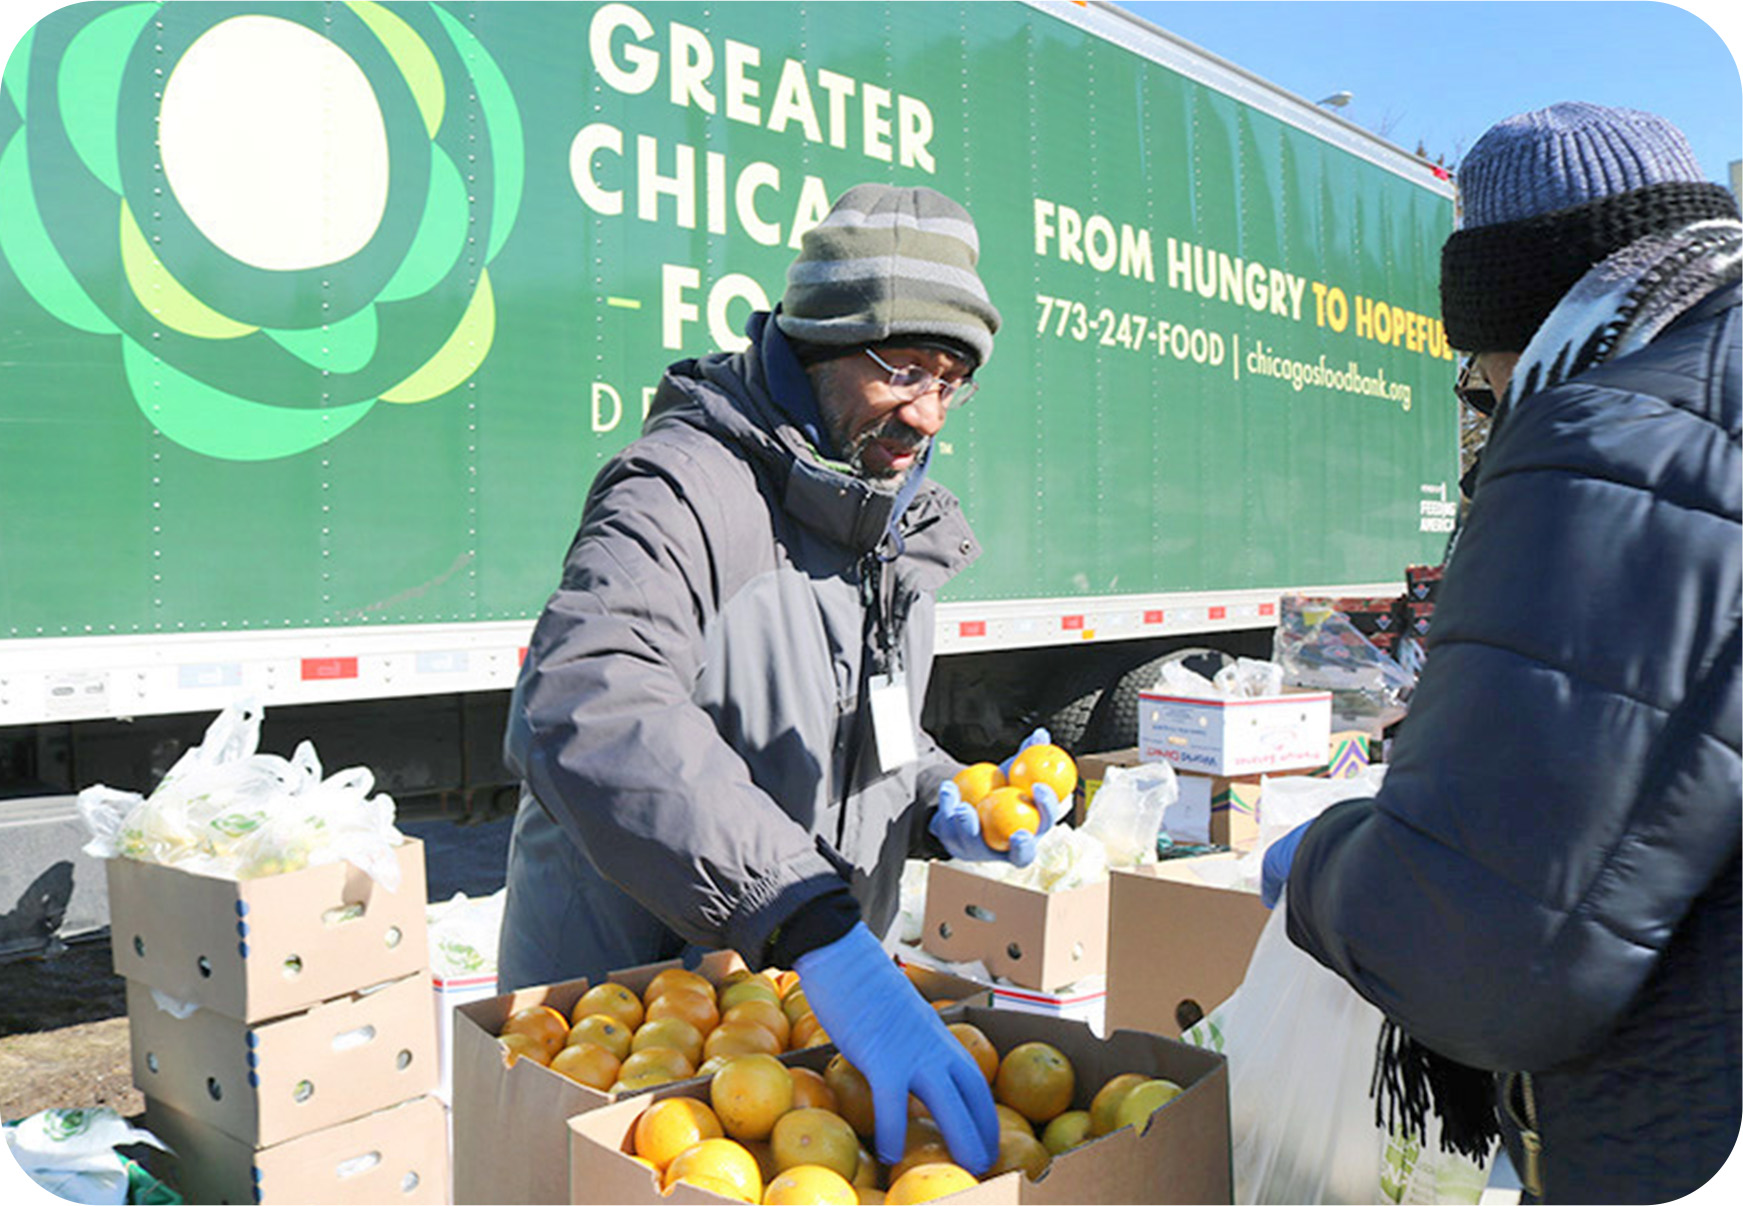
x: 690, y: 699
x: 1548, y: 880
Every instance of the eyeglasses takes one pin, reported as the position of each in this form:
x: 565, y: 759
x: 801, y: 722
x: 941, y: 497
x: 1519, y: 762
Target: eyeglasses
x: 910, y: 383
x: 1473, y: 388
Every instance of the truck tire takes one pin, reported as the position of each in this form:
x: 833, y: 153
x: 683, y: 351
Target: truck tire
x: 1069, y: 724
x: 1114, y: 724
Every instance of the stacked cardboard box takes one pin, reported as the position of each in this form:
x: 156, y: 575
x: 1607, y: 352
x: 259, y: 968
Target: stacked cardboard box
x: 281, y: 1030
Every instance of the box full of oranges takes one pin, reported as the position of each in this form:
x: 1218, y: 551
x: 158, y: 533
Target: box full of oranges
x: 525, y: 1062
x: 1132, y: 1118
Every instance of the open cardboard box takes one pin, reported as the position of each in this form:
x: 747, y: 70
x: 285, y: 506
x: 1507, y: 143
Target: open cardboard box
x: 509, y: 1140
x: 1182, y: 1155
x: 399, y: 1154
x: 270, y: 1081
x: 1178, y: 946
x: 262, y: 948
x: 1034, y: 939
x: 1232, y: 737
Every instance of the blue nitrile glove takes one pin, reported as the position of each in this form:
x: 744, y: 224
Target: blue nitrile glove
x: 1274, y: 867
x: 883, y: 1027
x: 956, y: 824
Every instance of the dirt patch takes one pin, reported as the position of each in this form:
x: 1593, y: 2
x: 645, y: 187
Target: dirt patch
x: 63, y: 1035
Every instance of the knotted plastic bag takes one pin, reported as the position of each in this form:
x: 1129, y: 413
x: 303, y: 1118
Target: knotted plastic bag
x: 228, y: 811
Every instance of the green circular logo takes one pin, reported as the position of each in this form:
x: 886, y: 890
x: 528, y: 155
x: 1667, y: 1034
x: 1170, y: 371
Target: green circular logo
x: 285, y: 214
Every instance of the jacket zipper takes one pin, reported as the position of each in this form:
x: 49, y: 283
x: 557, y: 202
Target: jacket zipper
x: 1531, y: 1176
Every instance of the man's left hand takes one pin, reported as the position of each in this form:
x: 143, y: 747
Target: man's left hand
x: 956, y: 824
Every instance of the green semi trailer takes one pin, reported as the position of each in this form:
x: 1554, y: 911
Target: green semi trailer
x: 317, y: 319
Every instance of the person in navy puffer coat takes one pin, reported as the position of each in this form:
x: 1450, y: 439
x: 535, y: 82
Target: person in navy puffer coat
x: 1544, y: 897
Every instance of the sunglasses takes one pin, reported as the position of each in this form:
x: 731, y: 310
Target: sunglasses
x: 1473, y: 388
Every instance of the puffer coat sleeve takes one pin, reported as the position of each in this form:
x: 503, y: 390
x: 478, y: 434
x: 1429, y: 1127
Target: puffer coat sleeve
x: 1566, y: 788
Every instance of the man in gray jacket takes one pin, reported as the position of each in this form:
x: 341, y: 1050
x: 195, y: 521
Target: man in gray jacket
x: 717, y: 722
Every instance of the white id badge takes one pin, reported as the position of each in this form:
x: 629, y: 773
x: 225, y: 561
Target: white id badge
x: 892, y: 723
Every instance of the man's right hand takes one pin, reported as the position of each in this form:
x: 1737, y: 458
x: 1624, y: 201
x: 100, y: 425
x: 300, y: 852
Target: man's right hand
x: 883, y: 1027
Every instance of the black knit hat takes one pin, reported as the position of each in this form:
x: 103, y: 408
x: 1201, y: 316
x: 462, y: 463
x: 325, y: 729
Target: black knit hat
x: 1548, y: 194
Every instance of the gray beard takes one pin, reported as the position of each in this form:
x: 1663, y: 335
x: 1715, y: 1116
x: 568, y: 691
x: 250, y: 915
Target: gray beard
x: 890, y: 479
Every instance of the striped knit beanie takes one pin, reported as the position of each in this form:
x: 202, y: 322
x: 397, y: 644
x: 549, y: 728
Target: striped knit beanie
x: 886, y: 263
x: 1545, y: 196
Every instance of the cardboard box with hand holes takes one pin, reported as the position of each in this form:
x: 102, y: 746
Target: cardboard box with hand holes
x: 265, y: 1082
x: 1034, y: 939
x: 1178, y: 944
x: 1180, y: 1155
x: 261, y: 948
x: 399, y: 1154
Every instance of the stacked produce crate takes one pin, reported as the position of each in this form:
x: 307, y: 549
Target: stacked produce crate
x: 281, y: 1030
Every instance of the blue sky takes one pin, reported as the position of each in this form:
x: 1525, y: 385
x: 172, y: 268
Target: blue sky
x: 1440, y: 73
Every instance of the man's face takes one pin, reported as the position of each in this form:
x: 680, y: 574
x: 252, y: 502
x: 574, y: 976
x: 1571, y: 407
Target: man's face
x: 875, y: 431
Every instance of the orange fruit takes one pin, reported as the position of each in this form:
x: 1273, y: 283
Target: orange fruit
x: 549, y: 1028
x: 805, y: 1028
x: 754, y: 989
x: 810, y: 1185
x: 1003, y: 813
x: 1036, y: 1080
x: 794, y: 1004
x: 924, y: 1182
x: 933, y: 1152
x: 517, y: 1047
x: 1106, y: 1102
x: 979, y: 1046
x: 811, y: 1091
x: 1010, y: 1118
x: 670, y: 976
x: 766, y: 1014
x: 1066, y: 1131
x: 697, y: 1008
x: 668, y: 1063
x: 669, y: 1032
x: 853, y: 1094
x: 750, y: 1094
x: 813, y: 1136
x: 673, y: 1125
x: 604, y: 1029
x: 719, y: 1161
x: 1143, y: 1101
x: 614, y: 1000
x: 1022, y: 1153
x: 1044, y: 764
x: 739, y: 1038
x: 870, y: 1172
x: 786, y: 980
x: 588, y: 1064
x: 975, y: 781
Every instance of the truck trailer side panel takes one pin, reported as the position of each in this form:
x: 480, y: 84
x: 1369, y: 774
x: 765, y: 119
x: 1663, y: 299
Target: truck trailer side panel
x: 316, y: 321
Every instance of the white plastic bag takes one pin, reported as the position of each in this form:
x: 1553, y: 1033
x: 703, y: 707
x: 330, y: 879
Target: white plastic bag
x: 1300, y: 1045
x: 1126, y: 812
x: 71, y: 1153
x: 1286, y: 801
x: 225, y: 810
